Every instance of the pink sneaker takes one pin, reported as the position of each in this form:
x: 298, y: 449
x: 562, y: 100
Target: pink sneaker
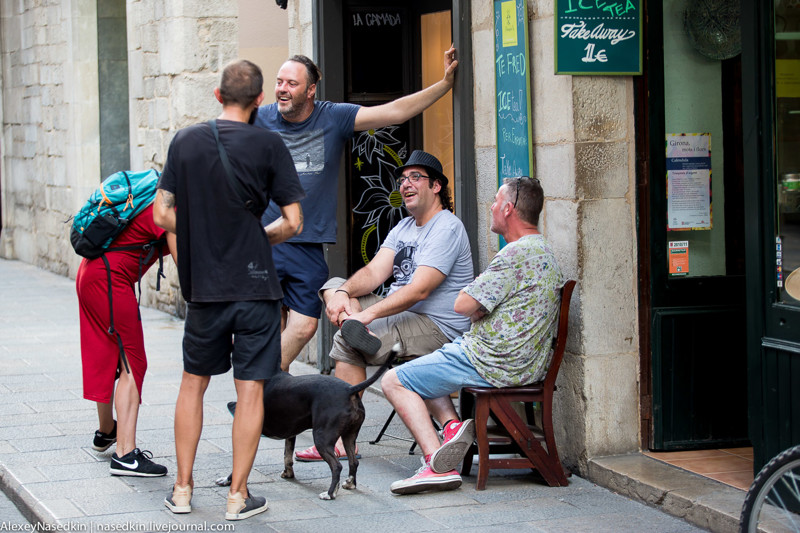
x: 310, y: 455
x: 458, y: 437
x: 427, y: 479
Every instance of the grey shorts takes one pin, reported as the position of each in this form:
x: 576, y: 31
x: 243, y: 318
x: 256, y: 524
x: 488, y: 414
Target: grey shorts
x: 417, y: 334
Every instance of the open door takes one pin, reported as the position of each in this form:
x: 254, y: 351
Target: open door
x: 391, y: 49
x: 372, y: 52
x: 692, y: 236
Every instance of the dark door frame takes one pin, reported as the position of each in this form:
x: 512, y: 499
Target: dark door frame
x: 773, y: 328
x: 328, y: 42
x: 659, y: 294
x: 328, y: 45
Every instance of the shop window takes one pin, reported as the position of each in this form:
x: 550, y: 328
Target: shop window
x: 787, y: 147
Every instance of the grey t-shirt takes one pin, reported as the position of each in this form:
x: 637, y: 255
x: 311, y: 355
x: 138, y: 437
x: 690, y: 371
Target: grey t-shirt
x: 441, y: 244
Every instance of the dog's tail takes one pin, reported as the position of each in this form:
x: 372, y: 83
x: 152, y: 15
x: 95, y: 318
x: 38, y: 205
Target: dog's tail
x: 397, y: 351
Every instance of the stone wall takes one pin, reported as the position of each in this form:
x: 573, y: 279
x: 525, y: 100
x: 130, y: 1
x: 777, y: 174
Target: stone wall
x: 176, y: 53
x: 583, y: 142
x: 50, y: 104
x: 50, y: 150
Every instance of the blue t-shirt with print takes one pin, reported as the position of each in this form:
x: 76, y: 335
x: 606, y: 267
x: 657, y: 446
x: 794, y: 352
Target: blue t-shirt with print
x: 316, y: 145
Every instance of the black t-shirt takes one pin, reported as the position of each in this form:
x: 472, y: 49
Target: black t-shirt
x: 223, y: 251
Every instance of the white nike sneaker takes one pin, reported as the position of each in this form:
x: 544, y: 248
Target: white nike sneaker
x: 136, y: 463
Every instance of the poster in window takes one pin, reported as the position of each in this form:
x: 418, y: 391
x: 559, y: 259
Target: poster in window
x: 688, y: 181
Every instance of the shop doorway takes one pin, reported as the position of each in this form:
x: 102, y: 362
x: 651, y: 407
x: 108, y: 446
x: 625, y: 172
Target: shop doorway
x: 391, y: 51
x: 374, y: 52
x: 691, y: 232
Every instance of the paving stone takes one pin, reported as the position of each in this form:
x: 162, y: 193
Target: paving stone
x: 46, y: 458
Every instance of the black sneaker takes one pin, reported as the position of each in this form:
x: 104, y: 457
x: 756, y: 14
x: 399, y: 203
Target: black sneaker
x: 103, y: 441
x: 136, y: 463
x: 358, y: 337
x: 240, y: 507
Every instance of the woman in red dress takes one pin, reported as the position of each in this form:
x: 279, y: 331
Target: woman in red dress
x: 100, y: 351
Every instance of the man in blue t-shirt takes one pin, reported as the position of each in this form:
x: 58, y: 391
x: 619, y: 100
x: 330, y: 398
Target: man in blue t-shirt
x: 315, y: 133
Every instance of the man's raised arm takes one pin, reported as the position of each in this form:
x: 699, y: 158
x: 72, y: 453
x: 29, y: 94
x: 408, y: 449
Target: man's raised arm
x: 402, y: 109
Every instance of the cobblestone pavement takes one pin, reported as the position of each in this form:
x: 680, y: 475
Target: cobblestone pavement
x: 48, y: 466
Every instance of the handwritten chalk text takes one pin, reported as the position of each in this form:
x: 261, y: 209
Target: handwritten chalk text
x: 376, y: 19
x: 598, y: 33
x: 613, y: 8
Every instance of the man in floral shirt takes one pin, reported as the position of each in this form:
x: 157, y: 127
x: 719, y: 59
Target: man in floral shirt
x: 514, y: 308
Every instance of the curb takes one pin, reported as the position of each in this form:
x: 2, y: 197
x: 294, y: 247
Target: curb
x: 700, y: 501
x: 26, y: 502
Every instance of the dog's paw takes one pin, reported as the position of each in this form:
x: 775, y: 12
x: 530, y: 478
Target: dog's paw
x: 326, y: 496
x: 224, y: 481
x: 288, y: 473
x: 349, y: 483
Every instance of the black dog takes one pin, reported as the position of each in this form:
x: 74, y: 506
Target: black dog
x: 325, y: 404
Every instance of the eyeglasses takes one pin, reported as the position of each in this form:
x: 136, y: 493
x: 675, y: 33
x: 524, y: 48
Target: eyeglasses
x: 535, y: 180
x: 413, y: 177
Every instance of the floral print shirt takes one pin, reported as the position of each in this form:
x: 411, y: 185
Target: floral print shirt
x: 512, y: 344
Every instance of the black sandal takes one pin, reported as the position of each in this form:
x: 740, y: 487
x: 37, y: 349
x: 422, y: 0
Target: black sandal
x: 358, y: 336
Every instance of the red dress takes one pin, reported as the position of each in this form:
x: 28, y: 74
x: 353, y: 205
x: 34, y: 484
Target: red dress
x: 99, y: 349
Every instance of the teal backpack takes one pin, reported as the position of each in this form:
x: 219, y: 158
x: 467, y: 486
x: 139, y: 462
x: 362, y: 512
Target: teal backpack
x: 120, y: 197
x: 107, y: 212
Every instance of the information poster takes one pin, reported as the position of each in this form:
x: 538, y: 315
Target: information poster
x: 689, y: 181
x: 679, y: 258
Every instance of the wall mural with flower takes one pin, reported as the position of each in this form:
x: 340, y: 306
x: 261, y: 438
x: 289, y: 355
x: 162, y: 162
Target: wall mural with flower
x: 374, y: 156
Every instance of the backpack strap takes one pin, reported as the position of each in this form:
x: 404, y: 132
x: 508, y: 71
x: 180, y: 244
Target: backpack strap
x: 249, y: 204
x: 111, y: 329
x: 149, y: 248
x: 146, y: 252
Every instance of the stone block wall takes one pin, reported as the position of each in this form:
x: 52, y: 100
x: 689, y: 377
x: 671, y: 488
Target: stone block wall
x: 50, y: 111
x: 176, y: 53
x: 50, y: 150
x: 583, y: 142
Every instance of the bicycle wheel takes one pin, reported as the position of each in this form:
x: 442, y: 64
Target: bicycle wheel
x: 773, y: 500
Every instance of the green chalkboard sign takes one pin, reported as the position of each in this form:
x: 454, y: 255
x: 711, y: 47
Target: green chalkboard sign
x: 513, y: 88
x: 598, y: 37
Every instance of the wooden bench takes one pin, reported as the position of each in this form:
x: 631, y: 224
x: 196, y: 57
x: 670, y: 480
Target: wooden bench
x: 510, y: 433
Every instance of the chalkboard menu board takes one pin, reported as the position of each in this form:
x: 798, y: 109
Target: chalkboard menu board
x: 513, y: 87
x: 598, y: 37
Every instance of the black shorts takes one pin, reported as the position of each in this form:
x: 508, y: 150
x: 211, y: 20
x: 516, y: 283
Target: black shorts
x: 246, y: 334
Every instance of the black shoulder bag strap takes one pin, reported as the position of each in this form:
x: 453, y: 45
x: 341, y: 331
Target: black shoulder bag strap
x: 249, y: 204
x: 149, y: 248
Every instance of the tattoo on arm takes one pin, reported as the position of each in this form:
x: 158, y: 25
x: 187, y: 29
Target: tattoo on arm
x: 167, y: 199
x: 299, y: 226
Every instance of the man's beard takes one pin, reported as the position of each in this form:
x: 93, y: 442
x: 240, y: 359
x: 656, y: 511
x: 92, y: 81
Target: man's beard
x: 291, y: 109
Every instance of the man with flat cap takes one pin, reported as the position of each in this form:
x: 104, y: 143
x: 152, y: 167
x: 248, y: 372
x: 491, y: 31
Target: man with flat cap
x: 428, y: 254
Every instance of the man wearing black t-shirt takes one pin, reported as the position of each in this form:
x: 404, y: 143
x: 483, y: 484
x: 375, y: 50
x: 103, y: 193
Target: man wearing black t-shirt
x: 226, y: 272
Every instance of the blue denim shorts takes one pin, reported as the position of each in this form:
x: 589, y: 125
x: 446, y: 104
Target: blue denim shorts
x: 440, y: 373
